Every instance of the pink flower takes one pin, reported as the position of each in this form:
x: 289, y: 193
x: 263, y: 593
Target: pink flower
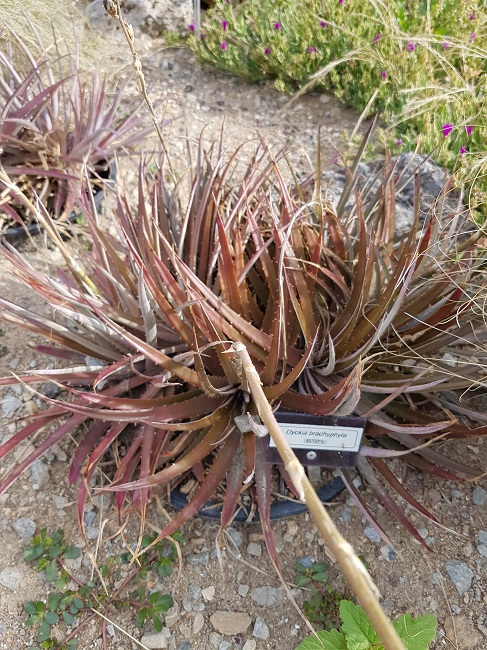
x: 191, y: 27
x: 277, y: 26
x: 341, y: 1
x: 447, y: 129
x: 322, y: 24
x: 224, y: 25
x: 311, y: 49
x: 383, y: 74
x: 463, y: 151
x: 224, y: 45
x: 472, y: 16
x: 202, y: 37
x: 469, y: 129
x: 471, y: 38
x: 399, y: 143
x: 445, y: 45
x: 377, y: 37
x: 267, y: 51
x: 411, y: 46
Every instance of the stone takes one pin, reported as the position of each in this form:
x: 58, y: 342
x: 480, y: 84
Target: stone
x: 185, y: 645
x: 208, y: 593
x: 307, y: 561
x: 49, y: 389
x: 199, y: 559
x: 111, y: 630
x: 224, y: 645
x: 24, y: 527
x: 460, y: 629
x: 373, y: 535
x: 150, y: 16
x: 193, y: 597
x: 59, y: 501
x: 250, y: 644
x: 434, y: 496
x: 267, y: 596
x: 345, y: 515
x: 230, y: 623
x: 235, y: 536
x: 325, y: 99
x: 39, y: 474
x: 215, y: 640
x: 9, y: 405
x: 461, y: 575
x: 90, y: 518
x: 482, y: 536
x: 388, y: 553
x: 260, y: 631
x: 314, y: 475
x: 243, y: 590
x: 482, y: 549
x: 292, y: 528
x: 185, y: 630
x: 479, y: 496
x: 10, y: 577
x: 172, y: 616
x: 198, y: 623
x: 255, y: 549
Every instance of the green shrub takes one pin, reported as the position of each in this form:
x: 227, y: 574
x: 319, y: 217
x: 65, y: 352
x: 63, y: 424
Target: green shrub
x: 421, y: 68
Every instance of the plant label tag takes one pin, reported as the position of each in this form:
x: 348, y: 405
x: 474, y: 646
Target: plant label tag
x: 326, y: 441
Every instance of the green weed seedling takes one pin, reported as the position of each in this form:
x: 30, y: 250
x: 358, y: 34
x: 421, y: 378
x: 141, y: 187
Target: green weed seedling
x: 76, y: 607
x: 322, y: 605
x: 357, y: 633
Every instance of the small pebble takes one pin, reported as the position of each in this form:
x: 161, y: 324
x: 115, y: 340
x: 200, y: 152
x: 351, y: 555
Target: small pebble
x: 208, y: 593
x: 479, y: 496
x: 372, y: 534
x: 24, y: 527
x: 235, y: 536
x: 461, y: 575
x: 306, y: 561
x: 230, y: 623
x: 215, y: 640
x: 172, y: 616
x: 59, y: 501
x: 260, y: 631
x: 9, y: 405
x: 482, y: 549
x: 199, y: 559
x: 254, y: 549
x: 224, y: 645
x: 243, y: 590
x: 250, y: 644
x: 388, y: 553
x: 198, y: 623
x: 482, y: 536
x: 111, y: 630
x: 423, y: 532
x: 10, y: 577
x: 267, y: 596
x: 345, y: 515
x: 185, y: 645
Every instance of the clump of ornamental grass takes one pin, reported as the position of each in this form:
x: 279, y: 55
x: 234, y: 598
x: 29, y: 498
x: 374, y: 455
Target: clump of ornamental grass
x: 56, y: 127
x: 420, y: 67
x: 337, y: 315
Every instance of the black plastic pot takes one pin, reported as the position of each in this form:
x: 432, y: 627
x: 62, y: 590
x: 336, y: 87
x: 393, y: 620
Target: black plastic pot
x: 279, y: 509
x: 19, y: 232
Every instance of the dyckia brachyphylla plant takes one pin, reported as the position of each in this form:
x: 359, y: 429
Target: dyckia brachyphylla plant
x: 337, y: 317
x: 52, y: 125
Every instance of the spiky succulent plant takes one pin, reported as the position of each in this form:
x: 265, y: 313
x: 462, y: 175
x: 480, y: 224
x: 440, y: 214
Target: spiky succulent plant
x: 338, y: 317
x: 55, y: 122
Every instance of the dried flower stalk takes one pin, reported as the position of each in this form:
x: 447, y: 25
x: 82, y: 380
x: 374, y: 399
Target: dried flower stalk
x: 353, y: 569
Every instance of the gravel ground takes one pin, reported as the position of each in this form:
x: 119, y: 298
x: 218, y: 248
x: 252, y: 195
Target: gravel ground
x: 450, y: 581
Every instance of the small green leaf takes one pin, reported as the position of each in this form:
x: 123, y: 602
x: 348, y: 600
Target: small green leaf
x: 68, y: 618
x: 154, y: 597
x: 44, y: 631
x: 30, y: 607
x: 416, y: 634
x: 139, y: 621
x: 332, y: 640
x: 318, y: 567
x: 71, y: 553
x: 54, y: 551
x: 72, y: 643
x: 78, y: 603
x: 357, y: 628
x: 51, y: 571
x: 33, y: 553
x: 53, y: 601
x: 164, y: 603
x: 322, y: 576
x: 141, y: 592
x: 301, y: 581
x: 40, y: 606
x: 32, y: 620
x: 51, y: 617
x: 156, y: 619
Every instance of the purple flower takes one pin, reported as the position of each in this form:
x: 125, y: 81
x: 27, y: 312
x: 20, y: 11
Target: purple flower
x: 267, y: 51
x: 411, y: 46
x: 469, y: 129
x: 191, y: 27
x: 341, y: 1
x: 383, y: 74
x: 463, y: 151
x: 202, y: 37
x: 224, y: 25
x: 377, y: 37
x: 445, y: 45
x: 322, y: 24
x: 311, y: 49
x: 447, y: 129
x: 472, y: 16
x: 399, y: 143
x: 277, y: 26
x: 471, y: 38
x: 224, y: 45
